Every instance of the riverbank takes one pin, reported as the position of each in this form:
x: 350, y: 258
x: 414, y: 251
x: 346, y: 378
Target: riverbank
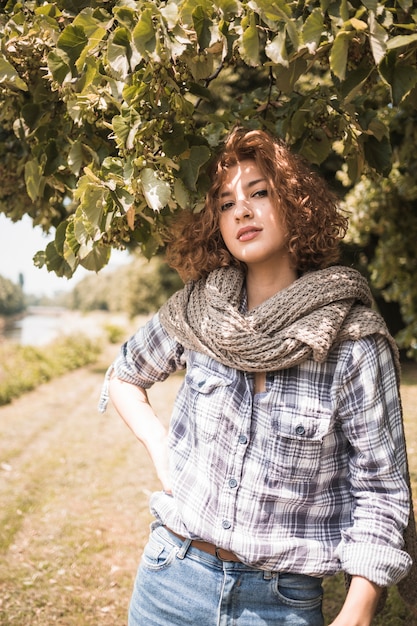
x: 50, y: 345
x: 8, y: 320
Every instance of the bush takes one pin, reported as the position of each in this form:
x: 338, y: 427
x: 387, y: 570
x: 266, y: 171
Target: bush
x: 115, y: 334
x: 23, y: 368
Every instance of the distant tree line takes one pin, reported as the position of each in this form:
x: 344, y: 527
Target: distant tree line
x: 139, y: 287
x: 12, y: 300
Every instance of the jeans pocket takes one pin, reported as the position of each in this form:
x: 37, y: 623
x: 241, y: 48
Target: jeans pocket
x: 158, y: 554
x: 299, y: 591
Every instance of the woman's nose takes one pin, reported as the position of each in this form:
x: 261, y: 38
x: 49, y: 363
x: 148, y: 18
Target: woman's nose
x: 242, y: 209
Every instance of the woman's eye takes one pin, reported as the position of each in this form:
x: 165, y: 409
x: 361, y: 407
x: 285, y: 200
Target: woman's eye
x: 226, y: 206
x: 262, y: 193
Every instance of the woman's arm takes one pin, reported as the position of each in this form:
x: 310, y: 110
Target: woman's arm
x: 360, y: 604
x: 132, y: 404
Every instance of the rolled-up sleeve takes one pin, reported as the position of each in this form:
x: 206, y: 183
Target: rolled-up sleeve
x: 371, y: 420
x: 149, y: 356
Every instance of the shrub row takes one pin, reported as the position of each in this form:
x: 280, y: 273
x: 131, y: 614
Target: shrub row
x: 23, y: 368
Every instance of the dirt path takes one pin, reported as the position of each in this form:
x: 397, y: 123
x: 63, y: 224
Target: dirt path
x: 74, y: 488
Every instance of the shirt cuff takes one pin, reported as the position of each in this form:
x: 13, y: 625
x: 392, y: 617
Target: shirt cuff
x: 380, y: 564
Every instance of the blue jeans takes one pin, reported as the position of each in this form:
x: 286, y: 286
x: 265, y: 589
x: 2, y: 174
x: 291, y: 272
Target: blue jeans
x: 177, y: 584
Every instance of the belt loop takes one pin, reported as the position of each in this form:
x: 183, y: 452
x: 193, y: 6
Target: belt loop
x: 184, y: 548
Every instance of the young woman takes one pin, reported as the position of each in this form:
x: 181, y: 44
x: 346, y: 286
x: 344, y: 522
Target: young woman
x: 285, y: 458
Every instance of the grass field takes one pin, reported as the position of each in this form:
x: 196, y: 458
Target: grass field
x: 74, y: 487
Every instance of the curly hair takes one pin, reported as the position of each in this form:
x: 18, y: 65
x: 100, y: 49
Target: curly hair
x: 309, y: 209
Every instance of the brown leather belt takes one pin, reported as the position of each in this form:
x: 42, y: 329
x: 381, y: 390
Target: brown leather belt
x: 209, y: 548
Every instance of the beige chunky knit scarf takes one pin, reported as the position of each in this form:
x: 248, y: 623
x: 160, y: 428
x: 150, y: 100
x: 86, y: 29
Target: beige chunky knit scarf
x: 305, y: 320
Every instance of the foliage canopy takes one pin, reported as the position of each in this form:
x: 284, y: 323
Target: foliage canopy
x: 111, y: 110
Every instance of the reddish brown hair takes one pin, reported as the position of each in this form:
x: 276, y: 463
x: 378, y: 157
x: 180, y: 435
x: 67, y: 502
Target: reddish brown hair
x: 309, y: 210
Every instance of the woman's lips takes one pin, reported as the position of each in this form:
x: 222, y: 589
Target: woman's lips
x: 248, y: 233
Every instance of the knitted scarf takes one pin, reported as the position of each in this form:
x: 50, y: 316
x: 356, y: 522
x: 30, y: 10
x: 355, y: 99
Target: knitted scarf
x: 305, y: 320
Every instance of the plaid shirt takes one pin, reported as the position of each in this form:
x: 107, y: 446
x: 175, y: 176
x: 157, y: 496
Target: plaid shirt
x: 306, y: 477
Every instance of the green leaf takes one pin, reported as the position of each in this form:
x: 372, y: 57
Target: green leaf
x: 93, y: 203
x: 378, y: 153
x: 71, y: 246
x: 126, y: 16
x: 292, y: 30
x: 316, y: 147
x: 181, y: 194
x: 378, y: 129
x: 144, y: 36
x: 55, y: 262
x: 58, y: 66
x: 354, y: 163
x: 89, y: 23
x: 190, y: 168
x: 404, y: 80
x: 9, y: 75
x: 401, y: 41
x: 175, y: 143
x: 75, y: 157
x: 31, y: 113
x: 405, y: 5
x: 250, y: 43
x: 229, y: 8
x: 355, y: 79
x: 202, y: 92
x: 202, y: 25
x: 344, y: 10
x: 72, y: 41
x: 401, y: 78
x: 34, y: 179
x: 312, y: 29
x: 371, y: 5
x: 48, y: 9
x: 286, y: 77
x: 378, y: 37
x: 157, y: 192
x: 53, y: 158
x: 96, y: 258
x: 339, y: 53
x: 93, y: 42
x: 276, y: 50
x: 123, y: 199
x: 121, y: 129
x: 53, y: 257
x: 201, y: 66
x: 119, y: 52
x: 279, y: 10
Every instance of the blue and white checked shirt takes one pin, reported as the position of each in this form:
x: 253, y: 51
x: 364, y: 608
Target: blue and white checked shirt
x: 306, y: 477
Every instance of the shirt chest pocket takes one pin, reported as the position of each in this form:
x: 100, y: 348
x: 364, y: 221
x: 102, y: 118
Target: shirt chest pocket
x: 295, y: 445
x: 208, y: 395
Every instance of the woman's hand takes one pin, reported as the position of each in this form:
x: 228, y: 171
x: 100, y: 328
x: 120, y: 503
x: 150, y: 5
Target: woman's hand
x: 360, y: 604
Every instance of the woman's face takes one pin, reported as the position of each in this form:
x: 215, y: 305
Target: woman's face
x: 249, y: 220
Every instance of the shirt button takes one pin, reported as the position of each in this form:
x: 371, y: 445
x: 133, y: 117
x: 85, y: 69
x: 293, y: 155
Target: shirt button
x: 233, y: 482
x: 243, y: 439
x: 226, y: 524
x: 300, y: 430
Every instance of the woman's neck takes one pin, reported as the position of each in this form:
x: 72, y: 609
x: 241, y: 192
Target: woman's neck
x: 261, y: 286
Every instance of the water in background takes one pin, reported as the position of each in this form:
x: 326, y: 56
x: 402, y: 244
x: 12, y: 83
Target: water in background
x: 40, y: 326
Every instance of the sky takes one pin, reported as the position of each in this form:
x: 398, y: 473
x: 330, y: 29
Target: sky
x: 19, y: 242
